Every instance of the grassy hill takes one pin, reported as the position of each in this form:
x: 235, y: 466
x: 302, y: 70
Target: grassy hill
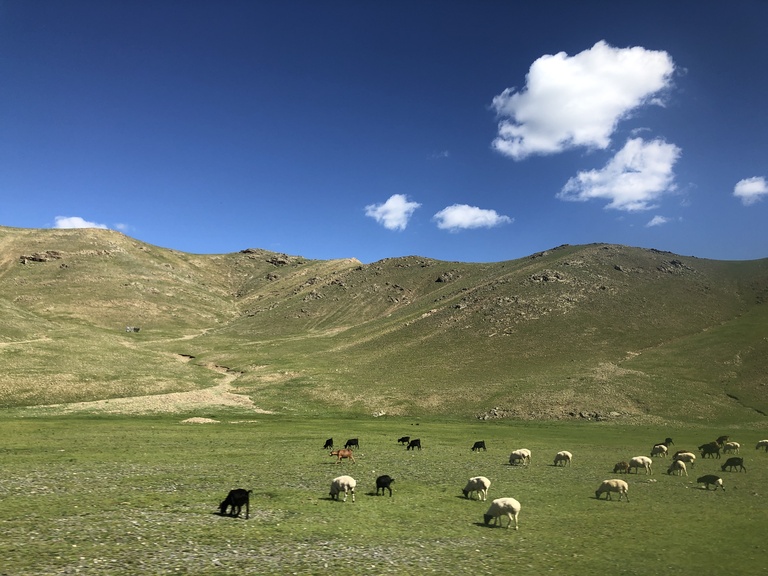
x: 623, y: 332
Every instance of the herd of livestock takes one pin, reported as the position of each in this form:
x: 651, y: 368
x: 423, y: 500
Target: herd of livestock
x: 510, y: 507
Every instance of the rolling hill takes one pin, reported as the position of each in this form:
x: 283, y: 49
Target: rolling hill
x: 599, y: 331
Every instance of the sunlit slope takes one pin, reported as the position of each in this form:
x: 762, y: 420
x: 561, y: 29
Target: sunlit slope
x: 597, y: 328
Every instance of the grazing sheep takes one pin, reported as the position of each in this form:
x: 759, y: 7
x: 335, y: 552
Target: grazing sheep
x: 384, y: 483
x: 343, y: 484
x: 659, y: 450
x: 413, y: 444
x: 523, y: 456
x: 716, y: 481
x: 688, y: 457
x: 508, y: 507
x: 235, y: 501
x: 615, y: 485
x: 404, y: 440
x: 341, y: 454
x: 479, y: 484
x: 734, y: 462
x: 622, y: 467
x: 328, y: 444
x: 762, y: 444
x: 352, y: 442
x: 563, y: 457
x: 677, y: 466
x: 710, y: 449
x: 641, y: 462
x: 731, y: 448
x: 479, y: 445
x: 722, y: 440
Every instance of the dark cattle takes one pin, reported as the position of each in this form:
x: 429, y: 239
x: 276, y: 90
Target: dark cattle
x: 734, y: 463
x: 343, y: 453
x: 480, y: 445
x: 716, y: 481
x: 352, y: 442
x: 404, y: 440
x: 235, y: 501
x: 712, y: 450
x: 328, y: 444
x: 413, y: 444
x: 622, y: 467
x: 384, y: 483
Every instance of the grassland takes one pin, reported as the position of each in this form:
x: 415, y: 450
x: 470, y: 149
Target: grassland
x: 138, y: 495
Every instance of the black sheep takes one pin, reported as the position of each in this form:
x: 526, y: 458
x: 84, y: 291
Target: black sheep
x: 732, y: 463
x: 479, y: 445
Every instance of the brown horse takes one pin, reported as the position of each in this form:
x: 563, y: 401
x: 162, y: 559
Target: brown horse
x: 341, y: 454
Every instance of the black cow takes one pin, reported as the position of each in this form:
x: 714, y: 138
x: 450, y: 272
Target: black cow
x: 352, y: 442
x: 384, y: 483
x: 479, y: 445
x: 413, y: 444
x: 404, y: 440
x: 732, y: 463
x: 235, y: 501
x: 328, y: 444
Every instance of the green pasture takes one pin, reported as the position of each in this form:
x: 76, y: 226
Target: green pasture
x: 138, y: 495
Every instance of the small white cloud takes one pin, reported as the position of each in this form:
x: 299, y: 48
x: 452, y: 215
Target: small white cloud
x: 657, y: 221
x: 122, y: 227
x: 632, y: 180
x: 75, y: 222
x: 441, y: 154
x: 461, y: 217
x: 571, y: 101
x: 751, y: 190
x: 394, y: 214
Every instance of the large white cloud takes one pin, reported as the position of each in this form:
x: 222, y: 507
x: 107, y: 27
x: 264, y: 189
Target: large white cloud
x: 393, y: 214
x: 75, y: 222
x: 571, y: 101
x: 462, y: 216
x: 751, y: 190
x: 632, y: 180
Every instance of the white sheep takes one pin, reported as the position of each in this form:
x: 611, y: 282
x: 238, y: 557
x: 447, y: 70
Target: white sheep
x: 731, y: 448
x: 508, y: 507
x: 523, y: 455
x: 479, y: 484
x: 677, y: 466
x: 564, y: 456
x: 343, y: 484
x: 659, y: 450
x: 609, y: 486
x: 762, y: 444
x: 688, y: 457
x: 641, y: 462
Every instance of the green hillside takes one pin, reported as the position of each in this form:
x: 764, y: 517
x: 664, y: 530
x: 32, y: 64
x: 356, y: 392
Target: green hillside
x: 626, y: 333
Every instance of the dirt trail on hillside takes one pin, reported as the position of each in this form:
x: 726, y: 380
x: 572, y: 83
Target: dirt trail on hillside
x: 217, y: 396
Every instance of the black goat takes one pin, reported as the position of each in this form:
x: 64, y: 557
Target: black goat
x: 235, y: 501
x: 479, y: 445
x: 404, y: 440
x: 328, y: 444
x: 711, y: 449
x: 716, y: 481
x: 734, y: 463
x: 384, y: 483
x: 413, y: 444
x: 352, y: 442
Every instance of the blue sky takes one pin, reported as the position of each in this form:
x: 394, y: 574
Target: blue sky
x: 467, y: 131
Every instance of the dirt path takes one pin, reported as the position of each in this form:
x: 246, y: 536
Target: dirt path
x: 220, y: 395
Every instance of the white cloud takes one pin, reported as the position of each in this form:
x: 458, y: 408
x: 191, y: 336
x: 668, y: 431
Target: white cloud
x: 75, y: 222
x: 461, y: 216
x: 571, y: 101
x: 751, y: 190
x: 394, y: 213
x: 657, y: 221
x: 632, y: 180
